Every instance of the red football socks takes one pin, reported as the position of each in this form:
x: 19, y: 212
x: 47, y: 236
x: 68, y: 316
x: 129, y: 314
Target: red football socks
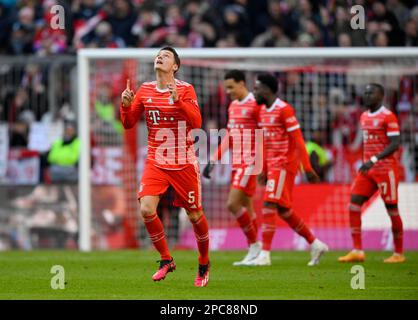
x: 268, y: 227
x: 201, y: 231
x: 297, y: 224
x: 156, y: 233
x: 397, y: 230
x: 247, y: 226
x: 355, y: 225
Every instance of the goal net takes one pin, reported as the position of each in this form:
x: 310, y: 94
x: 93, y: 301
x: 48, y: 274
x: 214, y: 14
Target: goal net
x: 324, y: 86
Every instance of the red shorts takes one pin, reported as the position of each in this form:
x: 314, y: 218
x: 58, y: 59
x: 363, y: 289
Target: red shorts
x: 279, y: 187
x: 242, y: 181
x: 368, y: 183
x: 185, y: 182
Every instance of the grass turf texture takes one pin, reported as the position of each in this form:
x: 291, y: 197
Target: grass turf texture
x: 127, y: 275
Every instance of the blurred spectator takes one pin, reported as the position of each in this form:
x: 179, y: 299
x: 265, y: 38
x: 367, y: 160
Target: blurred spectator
x: 6, y: 28
x: 380, y: 39
x: 104, y: 37
x: 236, y: 22
x: 344, y: 40
x: 273, y: 37
x: 23, y: 31
x: 64, y: 154
x: 387, y: 22
x: 318, y: 155
x: 411, y: 33
x: 122, y: 19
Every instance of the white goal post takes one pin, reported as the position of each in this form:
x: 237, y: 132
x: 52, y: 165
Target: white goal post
x: 84, y: 56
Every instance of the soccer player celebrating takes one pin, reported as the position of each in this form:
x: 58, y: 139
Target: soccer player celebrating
x: 284, y: 151
x: 242, y: 120
x: 381, y: 140
x: 171, y: 112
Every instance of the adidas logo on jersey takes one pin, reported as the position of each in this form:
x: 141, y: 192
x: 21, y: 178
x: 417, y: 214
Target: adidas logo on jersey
x: 193, y: 207
x: 149, y: 100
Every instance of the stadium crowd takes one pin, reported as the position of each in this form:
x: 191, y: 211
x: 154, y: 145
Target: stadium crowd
x: 25, y: 24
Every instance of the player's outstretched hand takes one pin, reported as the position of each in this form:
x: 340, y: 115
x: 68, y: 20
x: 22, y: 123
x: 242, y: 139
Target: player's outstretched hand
x: 127, y: 95
x: 208, y: 169
x: 262, y: 178
x: 312, y: 177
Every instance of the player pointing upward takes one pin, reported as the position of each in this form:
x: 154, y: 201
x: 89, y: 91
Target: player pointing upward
x: 381, y: 140
x: 171, y: 112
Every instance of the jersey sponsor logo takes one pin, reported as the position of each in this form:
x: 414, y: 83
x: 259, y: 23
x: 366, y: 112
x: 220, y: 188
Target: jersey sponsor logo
x: 154, y: 115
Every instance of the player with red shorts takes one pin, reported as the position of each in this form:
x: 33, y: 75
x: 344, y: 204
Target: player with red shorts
x: 379, y: 172
x: 171, y: 112
x: 242, y: 121
x: 284, y: 152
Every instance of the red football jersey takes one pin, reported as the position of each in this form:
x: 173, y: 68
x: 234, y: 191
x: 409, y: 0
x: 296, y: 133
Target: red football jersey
x: 277, y: 121
x: 377, y: 127
x: 170, y: 144
x: 242, y: 122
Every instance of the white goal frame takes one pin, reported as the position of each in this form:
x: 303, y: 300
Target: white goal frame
x: 84, y: 55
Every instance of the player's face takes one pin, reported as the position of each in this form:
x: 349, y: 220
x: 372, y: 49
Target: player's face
x: 260, y: 93
x: 233, y: 88
x: 164, y: 61
x: 371, y: 96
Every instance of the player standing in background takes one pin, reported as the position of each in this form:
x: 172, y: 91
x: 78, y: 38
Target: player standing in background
x: 242, y: 115
x: 380, y: 171
x: 285, y: 151
x: 171, y: 112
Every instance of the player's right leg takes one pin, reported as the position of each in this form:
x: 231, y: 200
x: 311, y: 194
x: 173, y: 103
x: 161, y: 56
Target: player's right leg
x: 362, y: 189
x: 153, y: 184
x: 240, y: 205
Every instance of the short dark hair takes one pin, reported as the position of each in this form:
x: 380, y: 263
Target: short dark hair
x: 176, y: 56
x: 268, y: 80
x: 379, y: 87
x: 236, y: 75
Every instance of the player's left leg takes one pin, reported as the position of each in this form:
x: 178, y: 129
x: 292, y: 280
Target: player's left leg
x: 388, y: 187
x: 240, y: 205
x: 187, y: 187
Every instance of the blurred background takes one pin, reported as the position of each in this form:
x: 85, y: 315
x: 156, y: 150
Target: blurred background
x: 40, y: 147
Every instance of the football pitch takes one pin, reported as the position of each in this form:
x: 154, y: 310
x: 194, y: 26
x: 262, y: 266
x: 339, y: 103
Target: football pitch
x: 127, y: 275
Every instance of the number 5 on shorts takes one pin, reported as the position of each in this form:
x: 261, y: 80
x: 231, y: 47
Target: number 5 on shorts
x: 191, y: 197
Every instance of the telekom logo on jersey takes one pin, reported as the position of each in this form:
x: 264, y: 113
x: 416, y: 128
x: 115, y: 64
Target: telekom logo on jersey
x: 247, y: 145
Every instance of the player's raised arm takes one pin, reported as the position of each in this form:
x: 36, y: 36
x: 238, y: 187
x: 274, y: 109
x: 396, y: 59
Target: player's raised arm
x: 188, y: 104
x: 131, y: 106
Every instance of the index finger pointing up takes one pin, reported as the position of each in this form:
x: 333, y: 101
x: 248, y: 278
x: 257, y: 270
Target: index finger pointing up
x: 128, y: 84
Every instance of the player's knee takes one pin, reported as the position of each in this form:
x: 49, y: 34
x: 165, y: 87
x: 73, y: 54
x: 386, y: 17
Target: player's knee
x: 146, y: 209
x: 233, y: 206
x: 194, y: 215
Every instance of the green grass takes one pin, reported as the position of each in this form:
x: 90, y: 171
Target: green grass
x: 127, y: 275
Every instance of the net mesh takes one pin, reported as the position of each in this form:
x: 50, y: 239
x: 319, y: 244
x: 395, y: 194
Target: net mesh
x: 326, y: 95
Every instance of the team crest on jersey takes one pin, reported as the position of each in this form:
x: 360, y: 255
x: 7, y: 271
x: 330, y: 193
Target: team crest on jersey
x: 272, y: 119
x: 244, y: 112
x: 375, y: 122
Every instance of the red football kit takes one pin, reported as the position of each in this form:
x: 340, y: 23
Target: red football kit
x: 242, y: 122
x: 171, y: 158
x: 384, y: 175
x: 281, y: 156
